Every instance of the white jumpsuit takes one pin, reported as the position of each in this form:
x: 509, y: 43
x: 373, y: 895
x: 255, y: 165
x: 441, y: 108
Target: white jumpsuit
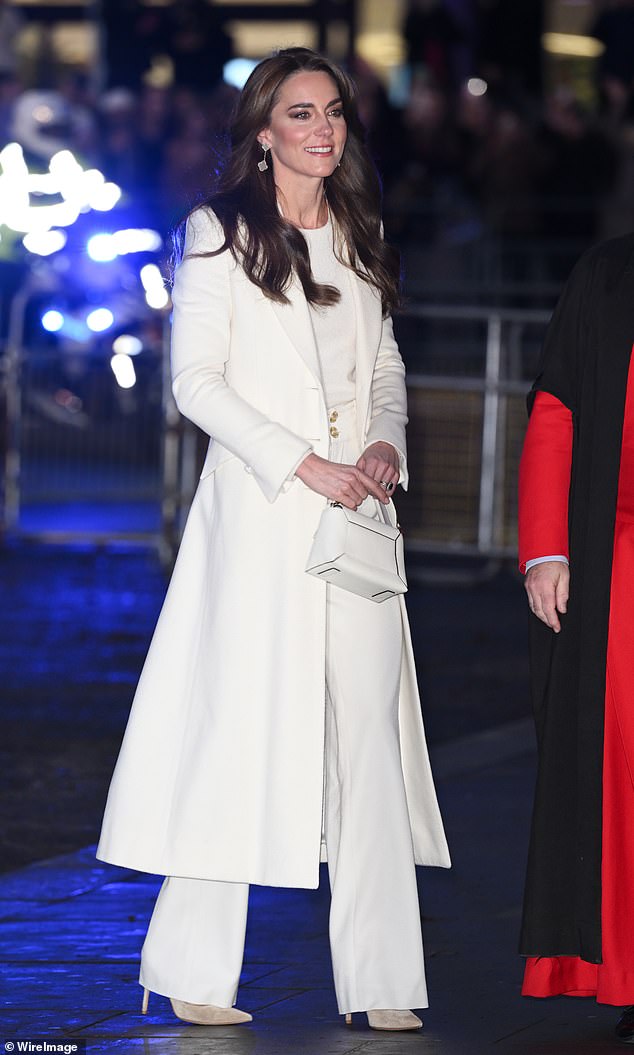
x: 194, y: 947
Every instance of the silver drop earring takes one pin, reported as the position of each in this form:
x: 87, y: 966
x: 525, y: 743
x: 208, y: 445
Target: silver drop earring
x: 262, y: 165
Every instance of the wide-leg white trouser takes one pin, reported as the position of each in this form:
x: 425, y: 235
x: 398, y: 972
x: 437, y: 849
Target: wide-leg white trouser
x: 195, y: 943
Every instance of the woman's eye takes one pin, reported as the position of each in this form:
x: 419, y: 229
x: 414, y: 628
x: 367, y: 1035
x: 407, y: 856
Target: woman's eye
x: 303, y: 115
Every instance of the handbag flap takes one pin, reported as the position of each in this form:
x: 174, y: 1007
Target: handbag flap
x: 370, y: 523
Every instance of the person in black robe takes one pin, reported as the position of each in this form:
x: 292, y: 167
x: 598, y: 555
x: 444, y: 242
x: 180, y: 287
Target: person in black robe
x: 585, y: 365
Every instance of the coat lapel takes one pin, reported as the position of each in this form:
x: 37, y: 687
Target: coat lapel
x: 294, y: 319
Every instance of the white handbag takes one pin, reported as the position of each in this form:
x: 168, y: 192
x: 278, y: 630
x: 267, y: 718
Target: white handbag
x: 358, y: 553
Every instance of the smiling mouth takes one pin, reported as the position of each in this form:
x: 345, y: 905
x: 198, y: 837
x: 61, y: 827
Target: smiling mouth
x: 319, y: 150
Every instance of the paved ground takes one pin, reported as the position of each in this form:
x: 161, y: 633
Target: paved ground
x: 74, y: 628
x: 73, y: 928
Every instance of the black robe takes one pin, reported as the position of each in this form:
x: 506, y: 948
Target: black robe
x: 584, y: 364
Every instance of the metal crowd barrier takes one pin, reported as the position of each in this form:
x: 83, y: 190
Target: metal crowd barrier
x: 83, y: 456
x: 469, y: 369
x: 87, y: 461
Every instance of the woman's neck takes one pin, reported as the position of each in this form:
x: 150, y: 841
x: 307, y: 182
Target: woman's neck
x: 303, y: 206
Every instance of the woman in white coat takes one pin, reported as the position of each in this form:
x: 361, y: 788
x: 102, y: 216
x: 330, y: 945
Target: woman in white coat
x: 277, y: 719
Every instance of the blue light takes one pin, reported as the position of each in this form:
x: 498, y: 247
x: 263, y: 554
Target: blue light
x: 106, y: 246
x: 52, y: 320
x: 101, y: 248
x: 236, y: 71
x: 99, y: 320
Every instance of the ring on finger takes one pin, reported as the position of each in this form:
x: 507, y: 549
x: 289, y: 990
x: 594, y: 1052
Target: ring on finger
x: 389, y: 487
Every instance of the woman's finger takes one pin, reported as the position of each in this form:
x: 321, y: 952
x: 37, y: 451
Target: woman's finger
x: 384, y: 474
x: 379, y: 469
x: 340, y: 483
x: 372, y: 486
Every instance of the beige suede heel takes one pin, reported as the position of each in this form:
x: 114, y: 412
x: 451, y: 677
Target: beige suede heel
x: 390, y: 1020
x: 202, y: 1014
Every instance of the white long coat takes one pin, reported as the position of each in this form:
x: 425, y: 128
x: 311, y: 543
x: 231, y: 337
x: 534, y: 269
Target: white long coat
x: 220, y: 774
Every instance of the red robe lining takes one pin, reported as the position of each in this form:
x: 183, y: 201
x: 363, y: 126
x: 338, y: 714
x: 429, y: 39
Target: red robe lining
x: 544, y: 483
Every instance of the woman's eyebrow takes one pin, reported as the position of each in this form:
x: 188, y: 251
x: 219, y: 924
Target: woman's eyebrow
x: 305, y: 106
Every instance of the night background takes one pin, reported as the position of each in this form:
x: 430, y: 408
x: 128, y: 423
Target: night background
x: 504, y: 134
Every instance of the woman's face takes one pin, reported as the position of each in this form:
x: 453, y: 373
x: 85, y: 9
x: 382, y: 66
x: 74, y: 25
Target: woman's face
x: 307, y: 131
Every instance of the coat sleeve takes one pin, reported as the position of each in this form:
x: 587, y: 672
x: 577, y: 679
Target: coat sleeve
x: 201, y: 341
x: 544, y: 481
x: 389, y: 399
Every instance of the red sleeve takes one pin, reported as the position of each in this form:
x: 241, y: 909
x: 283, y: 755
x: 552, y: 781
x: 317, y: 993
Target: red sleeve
x: 544, y: 481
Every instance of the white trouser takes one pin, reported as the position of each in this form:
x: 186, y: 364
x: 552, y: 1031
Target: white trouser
x: 194, y: 947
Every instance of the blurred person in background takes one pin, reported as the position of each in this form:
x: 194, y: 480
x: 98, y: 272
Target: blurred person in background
x: 76, y: 89
x: 509, y: 49
x: 614, y: 27
x: 120, y: 148
x: 133, y: 134
x: 502, y: 167
x: 576, y: 540
x: 381, y: 120
x: 197, y: 44
x: 134, y: 34
x: 155, y: 107
x: 618, y: 207
x: 187, y: 170
x: 10, y: 90
x: 579, y: 170
x: 277, y: 719
x: 194, y: 146
x: 11, y: 25
x: 430, y: 160
x: 431, y: 34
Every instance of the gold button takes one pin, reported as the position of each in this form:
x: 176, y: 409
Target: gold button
x: 334, y: 415
x: 334, y: 432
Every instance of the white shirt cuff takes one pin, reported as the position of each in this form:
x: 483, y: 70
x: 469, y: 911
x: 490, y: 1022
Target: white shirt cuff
x: 542, y: 560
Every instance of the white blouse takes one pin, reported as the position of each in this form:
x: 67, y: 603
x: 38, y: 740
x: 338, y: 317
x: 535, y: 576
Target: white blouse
x: 334, y: 326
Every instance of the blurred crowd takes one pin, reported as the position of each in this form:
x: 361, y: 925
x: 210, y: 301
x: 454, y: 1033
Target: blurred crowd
x: 471, y: 138
x: 494, y: 145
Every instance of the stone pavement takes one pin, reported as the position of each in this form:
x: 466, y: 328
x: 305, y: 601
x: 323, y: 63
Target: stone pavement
x: 74, y: 627
x: 73, y: 927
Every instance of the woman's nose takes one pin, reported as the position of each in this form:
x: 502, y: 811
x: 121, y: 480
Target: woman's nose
x: 324, y: 126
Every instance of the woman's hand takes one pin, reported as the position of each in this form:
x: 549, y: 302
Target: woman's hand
x: 347, y: 484
x: 547, y: 588
x: 380, y: 461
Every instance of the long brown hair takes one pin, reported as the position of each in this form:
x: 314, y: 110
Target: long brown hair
x: 269, y: 248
